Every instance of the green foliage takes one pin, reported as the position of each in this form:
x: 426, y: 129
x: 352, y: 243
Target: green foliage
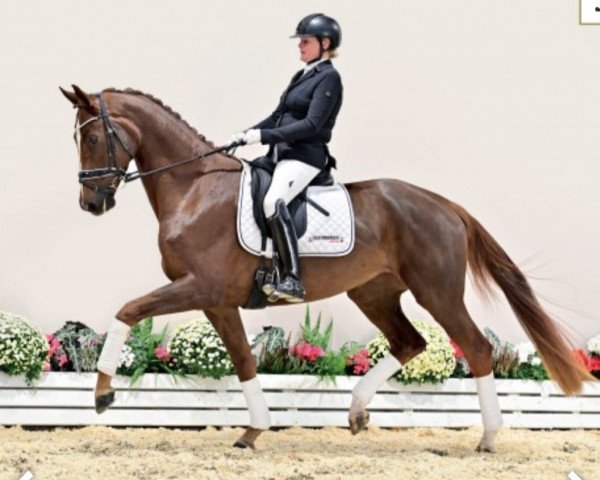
x: 493, y: 338
x: 459, y: 371
x: 273, y: 356
x: 527, y: 371
x: 82, y: 346
x: 505, y: 357
x: 313, y: 335
x: 143, y: 343
x: 506, y: 362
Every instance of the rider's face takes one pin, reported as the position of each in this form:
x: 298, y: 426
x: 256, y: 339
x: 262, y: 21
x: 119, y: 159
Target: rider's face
x: 309, y: 48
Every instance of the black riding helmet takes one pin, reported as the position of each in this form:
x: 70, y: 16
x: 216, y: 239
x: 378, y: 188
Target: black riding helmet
x: 320, y: 26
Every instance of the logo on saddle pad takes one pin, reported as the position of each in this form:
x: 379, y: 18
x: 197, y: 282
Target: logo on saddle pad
x: 325, y: 236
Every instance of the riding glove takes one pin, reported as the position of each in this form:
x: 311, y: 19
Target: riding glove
x: 252, y: 136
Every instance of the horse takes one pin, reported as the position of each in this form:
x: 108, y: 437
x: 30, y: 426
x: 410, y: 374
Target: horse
x: 406, y: 238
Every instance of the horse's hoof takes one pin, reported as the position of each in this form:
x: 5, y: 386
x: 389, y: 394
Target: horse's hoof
x: 248, y: 438
x: 104, y: 401
x: 487, y: 442
x: 486, y: 449
x: 243, y: 444
x: 358, y: 422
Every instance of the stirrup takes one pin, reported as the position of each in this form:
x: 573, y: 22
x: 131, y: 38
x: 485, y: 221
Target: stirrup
x: 270, y: 285
x: 294, y: 293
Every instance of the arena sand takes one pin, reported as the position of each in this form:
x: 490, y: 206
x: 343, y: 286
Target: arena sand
x: 294, y: 454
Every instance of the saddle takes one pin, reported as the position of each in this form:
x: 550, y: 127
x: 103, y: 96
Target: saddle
x: 324, y: 230
x: 261, y: 176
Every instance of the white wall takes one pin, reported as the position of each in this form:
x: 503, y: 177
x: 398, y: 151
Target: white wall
x: 492, y: 104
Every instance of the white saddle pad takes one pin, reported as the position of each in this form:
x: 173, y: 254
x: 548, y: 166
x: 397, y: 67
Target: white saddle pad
x: 325, y: 236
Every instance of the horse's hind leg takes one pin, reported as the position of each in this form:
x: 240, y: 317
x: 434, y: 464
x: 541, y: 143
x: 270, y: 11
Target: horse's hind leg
x: 478, y: 351
x: 441, y: 295
x: 228, y: 324
x: 379, y: 300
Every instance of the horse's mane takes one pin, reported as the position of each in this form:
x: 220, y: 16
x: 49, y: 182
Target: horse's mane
x: 166, y: 108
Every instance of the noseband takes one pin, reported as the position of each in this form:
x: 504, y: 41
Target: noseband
x: 112, y: 169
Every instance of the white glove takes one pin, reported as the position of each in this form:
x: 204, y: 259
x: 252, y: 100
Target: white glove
x: 252, y: 136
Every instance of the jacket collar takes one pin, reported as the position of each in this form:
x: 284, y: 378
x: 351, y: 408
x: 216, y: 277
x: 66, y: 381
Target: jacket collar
x: 317, y: 68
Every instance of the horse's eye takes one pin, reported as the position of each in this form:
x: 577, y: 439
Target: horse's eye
x: 93, y: 139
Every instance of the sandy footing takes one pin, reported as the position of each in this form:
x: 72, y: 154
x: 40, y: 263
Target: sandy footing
x: 93, y: 453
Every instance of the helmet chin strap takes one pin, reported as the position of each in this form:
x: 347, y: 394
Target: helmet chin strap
x: 321, y: 52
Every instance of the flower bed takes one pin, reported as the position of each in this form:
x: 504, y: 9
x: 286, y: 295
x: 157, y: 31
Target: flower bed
x: 194, y: 349
x: 186, y: 380
x: 67, y: 398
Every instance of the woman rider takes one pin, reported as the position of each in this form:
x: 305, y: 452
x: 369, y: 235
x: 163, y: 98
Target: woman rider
x: 297, y: 133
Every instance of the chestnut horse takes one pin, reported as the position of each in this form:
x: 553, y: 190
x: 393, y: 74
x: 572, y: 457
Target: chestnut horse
x: 407, y: 238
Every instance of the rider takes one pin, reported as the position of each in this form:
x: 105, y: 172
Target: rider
x: 297, y: 133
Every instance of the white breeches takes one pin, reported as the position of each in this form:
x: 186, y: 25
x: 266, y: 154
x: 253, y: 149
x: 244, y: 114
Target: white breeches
x: 289, y: 179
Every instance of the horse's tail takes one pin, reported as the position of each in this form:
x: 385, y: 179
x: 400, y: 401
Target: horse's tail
x: 488, y: 261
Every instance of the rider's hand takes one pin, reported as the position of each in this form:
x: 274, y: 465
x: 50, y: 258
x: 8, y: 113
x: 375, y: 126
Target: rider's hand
x: 251, y: 136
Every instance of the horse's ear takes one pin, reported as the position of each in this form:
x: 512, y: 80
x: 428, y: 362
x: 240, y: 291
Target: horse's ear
x: 70, y: 96
x: 85, y: 100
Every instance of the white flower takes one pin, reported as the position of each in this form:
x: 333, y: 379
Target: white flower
x: 535, y: 361
x: 126, y: 357
x: 436, y: 362
x: 594, y: 345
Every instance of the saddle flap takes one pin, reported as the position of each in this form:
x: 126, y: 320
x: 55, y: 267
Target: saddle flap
x: 262, y: 174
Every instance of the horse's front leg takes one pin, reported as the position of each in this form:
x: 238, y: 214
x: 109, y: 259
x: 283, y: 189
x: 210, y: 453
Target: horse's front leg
x: 179, y: 296
x: 228, y: 324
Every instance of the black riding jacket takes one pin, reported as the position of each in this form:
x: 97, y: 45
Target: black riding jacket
x: 301, y: 124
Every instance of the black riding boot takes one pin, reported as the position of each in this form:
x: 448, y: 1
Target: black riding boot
x: 284, y: 239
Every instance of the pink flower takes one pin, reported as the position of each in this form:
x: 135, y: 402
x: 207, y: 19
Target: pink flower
x: 591, y: 364
x: 361, y: 361
x: 458, y: 353
x: 53, y: 344
x: 46, y: 367
x: 307, y: 352
x: 62, y: 360
x: 162, y: 354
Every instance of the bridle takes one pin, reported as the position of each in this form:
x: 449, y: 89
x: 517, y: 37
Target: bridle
x: 113, y: 169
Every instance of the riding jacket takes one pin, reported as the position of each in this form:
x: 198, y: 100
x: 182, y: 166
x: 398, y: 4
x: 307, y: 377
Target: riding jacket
x: 301, y: 124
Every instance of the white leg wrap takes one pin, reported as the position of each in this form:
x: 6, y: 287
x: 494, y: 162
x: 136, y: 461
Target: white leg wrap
x: 365, y: 389
x: 257, y: 406
x: 111, y: 351
x: 488, y: 401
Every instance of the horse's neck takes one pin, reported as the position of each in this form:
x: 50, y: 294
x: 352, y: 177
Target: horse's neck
x: 165, y: 143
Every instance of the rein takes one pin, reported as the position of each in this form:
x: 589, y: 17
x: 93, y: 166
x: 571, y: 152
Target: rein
x: 113, y: 168
x: 130, y: 177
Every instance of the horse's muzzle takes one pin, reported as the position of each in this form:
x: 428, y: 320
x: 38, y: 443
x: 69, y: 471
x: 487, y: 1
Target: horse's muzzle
x: 101, y: 204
